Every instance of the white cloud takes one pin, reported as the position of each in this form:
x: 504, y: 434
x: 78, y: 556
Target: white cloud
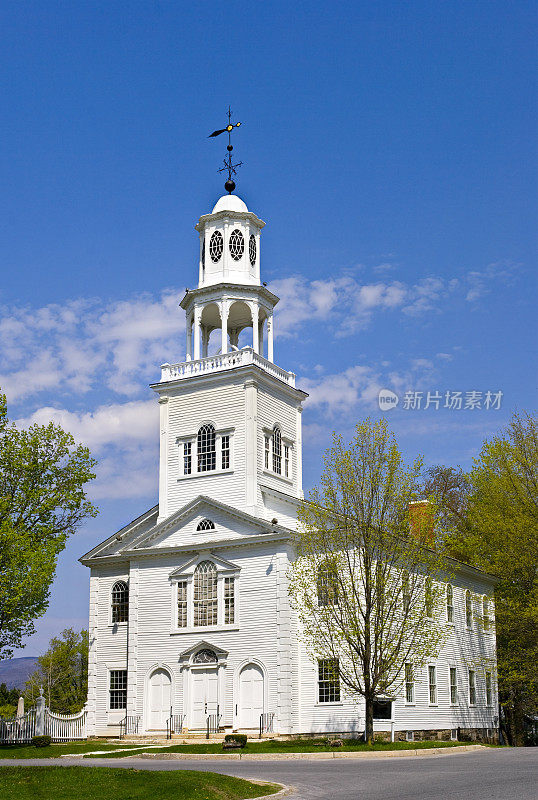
x: 87, y: 344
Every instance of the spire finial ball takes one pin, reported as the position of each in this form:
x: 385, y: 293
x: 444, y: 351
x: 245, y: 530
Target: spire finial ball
x: 229, y: 186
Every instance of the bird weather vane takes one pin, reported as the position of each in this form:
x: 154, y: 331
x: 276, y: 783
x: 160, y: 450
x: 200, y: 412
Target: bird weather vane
x: 229, y: 166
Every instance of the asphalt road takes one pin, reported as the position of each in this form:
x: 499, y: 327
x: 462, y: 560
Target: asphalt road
x: 483, y: 775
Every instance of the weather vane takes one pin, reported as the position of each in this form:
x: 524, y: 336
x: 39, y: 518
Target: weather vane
x: 229, y: 166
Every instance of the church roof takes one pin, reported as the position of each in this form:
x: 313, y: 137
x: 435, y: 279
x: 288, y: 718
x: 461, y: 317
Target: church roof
x: 229, y: 202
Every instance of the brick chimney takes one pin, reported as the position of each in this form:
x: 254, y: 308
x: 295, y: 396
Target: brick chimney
x: 421, y: 521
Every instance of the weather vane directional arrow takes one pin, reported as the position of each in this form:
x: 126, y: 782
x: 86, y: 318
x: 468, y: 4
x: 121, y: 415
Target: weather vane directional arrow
x: 229, y: 166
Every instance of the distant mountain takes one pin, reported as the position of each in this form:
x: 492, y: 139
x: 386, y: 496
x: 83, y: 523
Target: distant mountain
x: 15, y: 671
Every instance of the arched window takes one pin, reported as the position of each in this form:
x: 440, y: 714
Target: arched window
x: 205, y: 594
x: 406, y: 593
x: 237, y: 244
x: 216, y: 244
x: 428, y: 597
x: 252, y: 249
x: 449, y: 603
x: 277, y: 450
x: 206, y: 525
x: 485, y: 614
x: 207, y: 455
x: 120, y: 602
x: 206, y: 656
x: 327, y: 584
x: 468, y: 609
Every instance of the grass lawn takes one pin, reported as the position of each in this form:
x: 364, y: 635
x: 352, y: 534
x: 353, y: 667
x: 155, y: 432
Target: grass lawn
x: 101, y: 783
x: 289, y: 746
x: 54, y: 750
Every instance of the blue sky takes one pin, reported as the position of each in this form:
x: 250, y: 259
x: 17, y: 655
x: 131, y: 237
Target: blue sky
x: 389, y: 147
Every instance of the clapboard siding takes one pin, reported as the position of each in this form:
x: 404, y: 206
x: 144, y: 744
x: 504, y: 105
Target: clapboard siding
x: 276, y: 407
x: 463, y: 649
x: 224, y: 406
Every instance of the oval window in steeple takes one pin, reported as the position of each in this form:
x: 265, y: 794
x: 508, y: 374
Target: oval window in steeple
x: 237, y: 244
x: 252, y: 249
x: 216, y: 244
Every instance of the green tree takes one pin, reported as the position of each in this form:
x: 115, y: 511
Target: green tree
x: 42, y: 502
x: 496, y: 528
x: 366, y: 588
x: 62, y: 673
x: 8, y: 701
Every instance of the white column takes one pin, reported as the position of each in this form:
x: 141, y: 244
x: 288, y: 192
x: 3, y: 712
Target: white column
x: 189, y: 337
x: 224, y: 326
x: 205, y: 341
x: 197, y: 315
x: 255, y: 329
x: 270, y: 337
x: 260, y: 337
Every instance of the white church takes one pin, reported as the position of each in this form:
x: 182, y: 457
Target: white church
x: 190, y: 622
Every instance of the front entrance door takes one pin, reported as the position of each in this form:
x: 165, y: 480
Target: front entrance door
x: 250, y: 696
x: 160, y: 699
x: 205, y: 696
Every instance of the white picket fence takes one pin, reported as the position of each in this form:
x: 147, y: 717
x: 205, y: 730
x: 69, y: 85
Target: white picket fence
x: 41, y: 721
x: 65, y: 727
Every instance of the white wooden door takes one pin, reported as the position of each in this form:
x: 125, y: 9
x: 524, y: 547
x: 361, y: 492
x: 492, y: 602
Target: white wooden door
x: 250, y: 696
x: 160, y: 699
x: 205, y: 696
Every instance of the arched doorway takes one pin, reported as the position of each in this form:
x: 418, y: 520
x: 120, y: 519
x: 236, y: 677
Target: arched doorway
x: 251, y: 692
x: 205, y: 688
x: 159, y: 699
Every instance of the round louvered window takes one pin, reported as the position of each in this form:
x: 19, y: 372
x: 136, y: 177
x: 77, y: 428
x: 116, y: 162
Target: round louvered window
x: 252, y: 249
x: 237, y: 244
x: 216, y: 244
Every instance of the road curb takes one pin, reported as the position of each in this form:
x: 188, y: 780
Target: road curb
x: 433, y: 751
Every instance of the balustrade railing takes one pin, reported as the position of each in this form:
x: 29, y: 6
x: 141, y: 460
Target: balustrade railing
x: 174, y: 724
x: 224, y: 361
x: 212, y: 723
x: 129, y: 725
x: 266, y: 723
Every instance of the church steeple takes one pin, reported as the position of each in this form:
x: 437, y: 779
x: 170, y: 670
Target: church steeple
x: 230, y: 295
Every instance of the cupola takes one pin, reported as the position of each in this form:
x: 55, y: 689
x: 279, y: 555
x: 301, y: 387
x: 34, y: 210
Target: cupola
x: 229, y: 244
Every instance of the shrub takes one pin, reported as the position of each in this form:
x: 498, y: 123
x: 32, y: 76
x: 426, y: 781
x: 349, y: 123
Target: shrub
x: 238, y: 739
x: 41, y: 741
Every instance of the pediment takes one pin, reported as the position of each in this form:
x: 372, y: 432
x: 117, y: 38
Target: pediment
x: 182, y: 526
x: 222, y: 564
x: 203, y: 645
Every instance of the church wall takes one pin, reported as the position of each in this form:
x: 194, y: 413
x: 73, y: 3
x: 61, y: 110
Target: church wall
x: 258, y: 634
x: 108, y: 647
x: 276, y: 408
x: 465, y: 649
x: 224, y: 406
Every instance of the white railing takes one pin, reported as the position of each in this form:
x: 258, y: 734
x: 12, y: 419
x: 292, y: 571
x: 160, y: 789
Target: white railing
x: 65, y: 727
x: 220, y: 363
x: 40, y: 721
x: 17, y: 730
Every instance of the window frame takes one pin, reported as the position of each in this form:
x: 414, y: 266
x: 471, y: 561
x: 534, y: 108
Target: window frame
x: 207, y: 606
x: 433, y: 685
x: 113, y: 604
x: 488, y: 688
x: 188, y: 578
x: 111, y: 707
x: 326, y: 585
x: 223, y: 446
x: 450, y: 604
x: 409, y: 676
x: 324, y: 684
x: 454, y: 699
x: 270, y: 455
x: 429, y: 603
x: 468, y: 610
x: 471, y: 687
